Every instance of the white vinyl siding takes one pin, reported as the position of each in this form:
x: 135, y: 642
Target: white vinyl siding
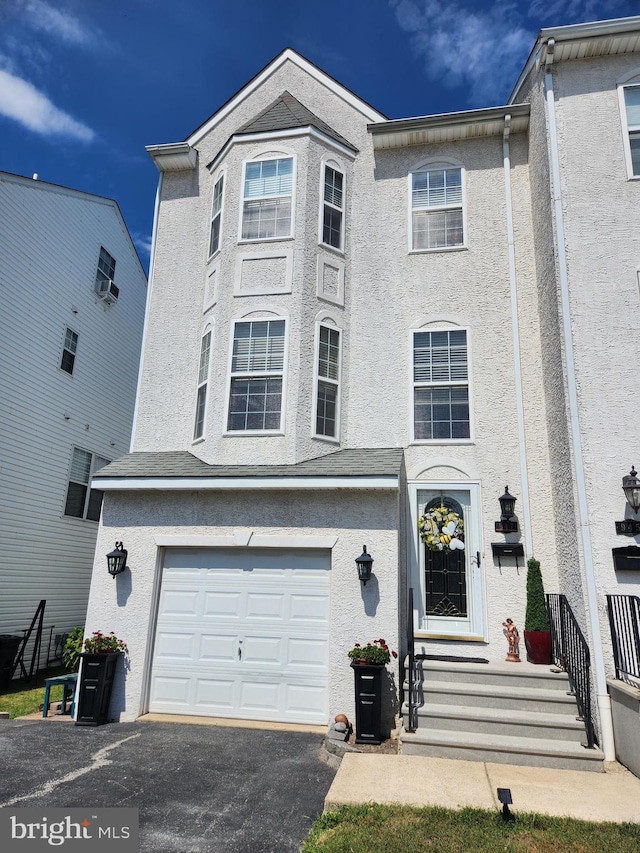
x: 267, y: 205
x: 333, y: 208
x: 203, y: 380
x: 83, y: 502
x: 216, y: 216
x: 328, y: 382
x: 632, y: 113
x: 441, y: 386
x: 437, y: 220
x: 257, y: 370
x: 69, y: 351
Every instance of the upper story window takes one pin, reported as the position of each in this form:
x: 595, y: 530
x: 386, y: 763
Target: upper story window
x: 203, y: 382
x: 69, y: 351
x: 83, y: 502
x: 441, y: 386
x: 328, y: 382
x: 437, y: 220
x: 216, y: 216
x: 106, y: 266
x: 631, y: 101
x: 267, y: 204
x: 333, y: 208
x: 257, y: 372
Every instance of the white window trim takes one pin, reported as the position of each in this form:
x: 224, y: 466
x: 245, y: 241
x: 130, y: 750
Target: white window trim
x: 337, y: 167
x: 222, y: 174
x: 426, y: 165
x: 63, y: 348
x: 90, y: 486
x: 208, y: 330
x: 316, y: 379
x: 270, y: 155
x: 230, y: 375
x: 433, y: 327
x: 628, y: 81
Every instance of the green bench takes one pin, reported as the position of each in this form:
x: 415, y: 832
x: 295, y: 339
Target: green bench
x: 68, y: 691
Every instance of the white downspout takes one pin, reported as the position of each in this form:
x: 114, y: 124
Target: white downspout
x: 603, y: 698
x: 152, y: 256
x: 515, y: 332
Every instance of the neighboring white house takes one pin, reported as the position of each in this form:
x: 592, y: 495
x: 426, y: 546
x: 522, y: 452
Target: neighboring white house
x: 352, y: 320
x: 73, y: 299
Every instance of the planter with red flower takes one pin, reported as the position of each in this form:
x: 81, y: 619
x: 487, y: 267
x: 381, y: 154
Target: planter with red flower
x: 99, y: 661
x: 368, y: 663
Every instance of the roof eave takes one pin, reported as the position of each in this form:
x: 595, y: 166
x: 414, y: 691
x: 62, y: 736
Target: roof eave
x: 173, y: 156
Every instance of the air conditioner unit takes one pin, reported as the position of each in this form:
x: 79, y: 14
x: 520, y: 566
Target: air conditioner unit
x: 107, y: 290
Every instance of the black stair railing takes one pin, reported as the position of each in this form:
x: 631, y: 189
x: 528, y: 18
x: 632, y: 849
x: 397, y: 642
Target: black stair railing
x: 570, y: 652
x: 624, y: 621
x: 410, y: 699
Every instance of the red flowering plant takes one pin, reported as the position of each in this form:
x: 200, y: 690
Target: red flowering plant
x: 101, y: 644
x: 376, y: 652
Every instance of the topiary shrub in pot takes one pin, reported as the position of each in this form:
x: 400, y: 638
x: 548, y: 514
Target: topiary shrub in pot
x: 537, y: 631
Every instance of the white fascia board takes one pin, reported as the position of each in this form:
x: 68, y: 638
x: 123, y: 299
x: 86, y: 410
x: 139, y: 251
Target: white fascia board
x: 275, y: 135
x: 253, y: 541
x: 173, y: 156
x: 188, y: 484
x: 287, y: 55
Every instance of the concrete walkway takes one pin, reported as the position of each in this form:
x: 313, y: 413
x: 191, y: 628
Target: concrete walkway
x: 413, y: 780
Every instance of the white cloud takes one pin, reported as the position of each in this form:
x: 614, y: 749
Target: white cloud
x: 56, y: 22
x: 558, y: 12
x: 482, y: 49
x: 22, y: 102
x: 142, y: 241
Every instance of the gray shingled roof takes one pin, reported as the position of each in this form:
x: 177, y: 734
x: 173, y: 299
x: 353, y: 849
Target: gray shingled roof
x: 359, y: 462
x: 287, y: 112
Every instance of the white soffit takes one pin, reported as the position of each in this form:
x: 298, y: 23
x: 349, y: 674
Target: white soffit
x: 173, y: 157
x: 449, y: 127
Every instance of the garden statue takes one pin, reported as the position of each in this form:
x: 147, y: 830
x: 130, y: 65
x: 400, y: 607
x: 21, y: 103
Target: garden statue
x: 513, y: 638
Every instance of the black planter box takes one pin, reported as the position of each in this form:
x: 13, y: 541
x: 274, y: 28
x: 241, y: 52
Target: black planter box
x: 94, y: 691
x: 368, y: 686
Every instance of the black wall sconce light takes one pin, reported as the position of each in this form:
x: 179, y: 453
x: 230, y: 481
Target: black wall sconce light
x: 117, y: 560
x: 507, y: 524
x: 631, y: 489
x: 364, y: 563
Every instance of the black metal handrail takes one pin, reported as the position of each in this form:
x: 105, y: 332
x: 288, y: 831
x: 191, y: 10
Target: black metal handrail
x: 624, y: 621
x: 412, y: 708
x: 570, y: 652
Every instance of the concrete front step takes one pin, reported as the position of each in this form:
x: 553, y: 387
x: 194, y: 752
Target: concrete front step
x: 514, y: 674
x: 497, y: 696
x: 501, y: 749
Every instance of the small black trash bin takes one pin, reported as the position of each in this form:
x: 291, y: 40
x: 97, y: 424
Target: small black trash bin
x: 9, y: 645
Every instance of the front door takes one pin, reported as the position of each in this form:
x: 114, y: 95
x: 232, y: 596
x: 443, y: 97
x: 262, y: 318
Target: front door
x: 449, y: 563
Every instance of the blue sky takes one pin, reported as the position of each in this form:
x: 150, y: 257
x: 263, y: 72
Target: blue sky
x: 86, y: 84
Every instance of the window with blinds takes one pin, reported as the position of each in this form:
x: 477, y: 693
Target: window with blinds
x: 632, y: 110
x: 216, y: 216
x: 328, y: 382
x: 203, y: 382
x: 441, y: 386
x: 81, y: 501
x: 257, y: 371
x: 333, y: 208
x: 436, y: 208
x: 268, y: 192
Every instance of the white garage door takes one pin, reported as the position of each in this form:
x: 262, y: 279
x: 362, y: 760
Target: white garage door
x: 243, y: 633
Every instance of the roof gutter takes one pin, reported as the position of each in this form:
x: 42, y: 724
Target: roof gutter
x: 188, y: 484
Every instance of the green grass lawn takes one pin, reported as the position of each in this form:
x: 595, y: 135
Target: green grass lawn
x: 21, y: 699
x: 404, y: 829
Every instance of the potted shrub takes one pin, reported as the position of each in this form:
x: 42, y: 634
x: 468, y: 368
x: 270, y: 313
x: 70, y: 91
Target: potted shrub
x: 367, y: 663
x: 537, y: 631
x: 99, y: 659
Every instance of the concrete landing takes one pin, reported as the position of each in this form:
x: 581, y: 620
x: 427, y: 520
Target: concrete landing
x: 419, y: 781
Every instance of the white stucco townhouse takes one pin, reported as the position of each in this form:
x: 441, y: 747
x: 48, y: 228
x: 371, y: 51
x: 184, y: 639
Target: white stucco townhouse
x: 352, y: 320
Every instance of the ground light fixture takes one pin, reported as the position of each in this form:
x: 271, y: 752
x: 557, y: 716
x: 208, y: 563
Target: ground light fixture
x: 507, y: 523
x: 504, y: 796
x: 117, y: 560
x: 364, y: 563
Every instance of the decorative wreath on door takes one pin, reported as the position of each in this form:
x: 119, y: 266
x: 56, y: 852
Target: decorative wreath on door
x: 442, y: 529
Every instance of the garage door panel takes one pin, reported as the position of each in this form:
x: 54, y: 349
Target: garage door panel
x: 270, y: 605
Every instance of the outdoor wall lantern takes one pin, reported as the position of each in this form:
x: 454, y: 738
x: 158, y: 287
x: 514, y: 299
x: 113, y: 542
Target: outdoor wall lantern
x: 117, y: 560
x: 364, y: 563
x: 631, y: 489
x: 507, y: 523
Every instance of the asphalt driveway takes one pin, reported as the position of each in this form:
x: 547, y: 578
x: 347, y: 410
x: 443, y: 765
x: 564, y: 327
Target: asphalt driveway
x: 199, y: 789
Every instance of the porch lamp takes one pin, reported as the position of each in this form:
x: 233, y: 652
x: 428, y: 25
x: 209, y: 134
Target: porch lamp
x: 117, y: 560
x: 507, y: 511
x: 631, y: 489
x: 364, y: 563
